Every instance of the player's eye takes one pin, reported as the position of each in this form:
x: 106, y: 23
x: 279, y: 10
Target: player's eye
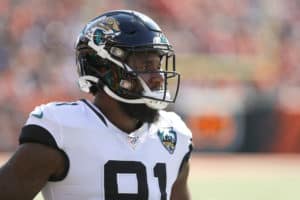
x: 152, y: 66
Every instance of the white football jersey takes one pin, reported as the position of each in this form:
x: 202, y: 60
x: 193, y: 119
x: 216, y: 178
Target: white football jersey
x: 107, y: 163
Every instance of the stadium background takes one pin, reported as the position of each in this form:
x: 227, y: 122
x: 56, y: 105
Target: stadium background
x: 240, y: 91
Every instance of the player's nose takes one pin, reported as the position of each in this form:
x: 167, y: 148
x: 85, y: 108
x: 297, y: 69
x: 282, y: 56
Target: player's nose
x: 156, y: 80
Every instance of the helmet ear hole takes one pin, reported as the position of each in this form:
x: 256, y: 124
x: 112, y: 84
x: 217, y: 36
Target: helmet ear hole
x: 93, y: 89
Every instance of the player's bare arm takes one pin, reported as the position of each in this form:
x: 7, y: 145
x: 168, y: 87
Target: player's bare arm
x: 28, y: 170
x: 180, y: 190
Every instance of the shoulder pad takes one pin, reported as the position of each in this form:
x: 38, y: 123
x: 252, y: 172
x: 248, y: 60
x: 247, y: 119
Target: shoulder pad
x: 45, y: 117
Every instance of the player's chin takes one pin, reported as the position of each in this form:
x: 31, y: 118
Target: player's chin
x: 140, y: 112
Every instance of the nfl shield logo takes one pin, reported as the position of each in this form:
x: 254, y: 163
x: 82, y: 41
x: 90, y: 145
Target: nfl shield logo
x: 168, y: 138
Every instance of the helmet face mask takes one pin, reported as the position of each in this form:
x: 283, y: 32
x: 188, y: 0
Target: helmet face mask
x: 126, y: 54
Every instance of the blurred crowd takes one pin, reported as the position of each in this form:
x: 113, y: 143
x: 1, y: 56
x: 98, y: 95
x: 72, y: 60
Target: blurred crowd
x: 37, y: 62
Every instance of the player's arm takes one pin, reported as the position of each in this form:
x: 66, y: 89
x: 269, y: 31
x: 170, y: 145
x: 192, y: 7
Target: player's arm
x: 180, y: 190
x: 28, y: 170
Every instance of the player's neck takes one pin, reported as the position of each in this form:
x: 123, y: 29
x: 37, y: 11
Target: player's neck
x: 111, y: 109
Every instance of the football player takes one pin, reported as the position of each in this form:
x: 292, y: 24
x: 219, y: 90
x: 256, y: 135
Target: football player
x: 121, y: 146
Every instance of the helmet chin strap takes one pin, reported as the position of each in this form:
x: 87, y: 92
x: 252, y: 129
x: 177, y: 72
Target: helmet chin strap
x: 85, y: 84
x: 154, y: 104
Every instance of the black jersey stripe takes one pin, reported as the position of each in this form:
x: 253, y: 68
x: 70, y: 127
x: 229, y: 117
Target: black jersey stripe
x: 37, y: 134
x: 95, y: 111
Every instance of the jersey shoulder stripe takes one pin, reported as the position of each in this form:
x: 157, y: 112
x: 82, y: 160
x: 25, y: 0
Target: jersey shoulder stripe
x: 95, y: 111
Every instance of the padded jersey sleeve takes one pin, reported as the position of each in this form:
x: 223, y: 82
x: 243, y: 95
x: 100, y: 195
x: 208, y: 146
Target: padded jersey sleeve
x: 184, y: 145
x: 42, y: 127
x: 187, y: 135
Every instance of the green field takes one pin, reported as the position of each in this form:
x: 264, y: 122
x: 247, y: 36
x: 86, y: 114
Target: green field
x: 244, y: 177
x: 232, y: 188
